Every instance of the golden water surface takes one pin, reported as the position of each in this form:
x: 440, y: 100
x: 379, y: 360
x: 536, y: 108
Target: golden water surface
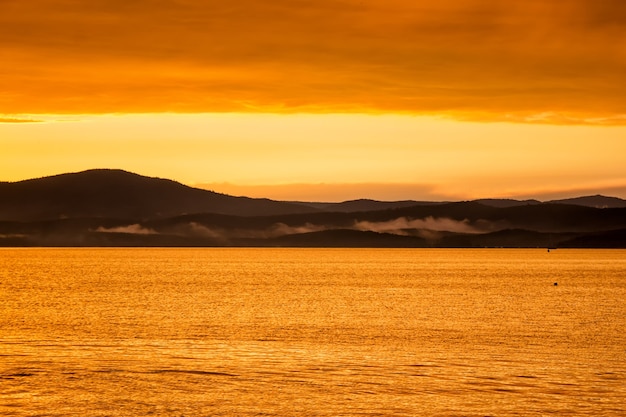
x: 312, y: 332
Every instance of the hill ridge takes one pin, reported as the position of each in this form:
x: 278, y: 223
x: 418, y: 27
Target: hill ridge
x: 119, y: 193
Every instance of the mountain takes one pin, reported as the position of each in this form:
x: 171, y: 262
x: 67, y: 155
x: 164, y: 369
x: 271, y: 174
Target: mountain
x: 121, y: 194
x: 365, y: 205
x: 463, y: 224
x: 597, y: 201
x: 118, y: 208
x: 608, y: 239
x: 505, y: 202
x: 342, y: 238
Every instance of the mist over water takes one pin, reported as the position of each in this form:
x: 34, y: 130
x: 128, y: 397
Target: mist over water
x: 401, y: 224
x: 312, y: 332
x: 427, y: 228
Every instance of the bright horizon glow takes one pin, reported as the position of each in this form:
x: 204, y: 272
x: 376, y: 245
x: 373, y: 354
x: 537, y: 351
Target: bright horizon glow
x: 354, y: 155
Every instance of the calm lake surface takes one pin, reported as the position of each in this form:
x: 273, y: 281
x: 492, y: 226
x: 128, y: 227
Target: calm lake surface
x: 312, y: 332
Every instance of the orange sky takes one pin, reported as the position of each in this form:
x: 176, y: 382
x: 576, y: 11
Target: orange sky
x: 464, y: 98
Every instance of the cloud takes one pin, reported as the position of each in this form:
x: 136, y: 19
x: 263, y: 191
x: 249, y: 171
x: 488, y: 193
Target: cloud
x: 546, y: 118
x: 278, y: 229
x: 401, y: 225
x: 18, y: 120
x: 429, y: 228
x: 473, y: 59
x: 193, y: 229
x: 135, y: 229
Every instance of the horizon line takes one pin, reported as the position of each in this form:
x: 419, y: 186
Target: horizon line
x: 340, y: 192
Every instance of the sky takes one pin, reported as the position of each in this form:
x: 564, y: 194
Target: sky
x: 320, y: 100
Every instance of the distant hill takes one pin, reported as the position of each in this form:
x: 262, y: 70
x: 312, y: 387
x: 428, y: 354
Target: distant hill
x: 506, y: 202
x: 366, y: 205
x: 347, y: 238
x: 597, y: 201
x: 121, y: 194
x: 464, y: 224
x: 608, y: 239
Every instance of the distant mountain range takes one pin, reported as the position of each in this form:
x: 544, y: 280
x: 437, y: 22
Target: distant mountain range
x: 118, y: 208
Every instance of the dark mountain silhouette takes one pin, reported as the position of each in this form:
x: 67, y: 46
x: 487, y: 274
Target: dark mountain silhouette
x: 347, y: 238
x: 365, y: 205
x: 508, y: 238
x: 467, y: 213
x: 608, y: 239
x: 117, y: 193
x: 597, y: 201
x: 451, y: 225
x: 117, y: 208
x: 505, y: 202
x: 549, y: 217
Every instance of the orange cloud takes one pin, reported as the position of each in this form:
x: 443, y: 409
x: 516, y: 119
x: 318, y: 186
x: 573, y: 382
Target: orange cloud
x: 536, y: 61
x: 18, y: 120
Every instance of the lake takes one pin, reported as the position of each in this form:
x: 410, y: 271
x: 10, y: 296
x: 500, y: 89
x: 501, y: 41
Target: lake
x: 312, y: 332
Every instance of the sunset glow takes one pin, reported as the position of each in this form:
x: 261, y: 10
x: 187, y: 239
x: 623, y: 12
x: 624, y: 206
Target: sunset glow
x: 321, y: 100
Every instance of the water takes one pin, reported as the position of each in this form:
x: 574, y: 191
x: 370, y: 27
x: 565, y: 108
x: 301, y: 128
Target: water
x: 312, y: 332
